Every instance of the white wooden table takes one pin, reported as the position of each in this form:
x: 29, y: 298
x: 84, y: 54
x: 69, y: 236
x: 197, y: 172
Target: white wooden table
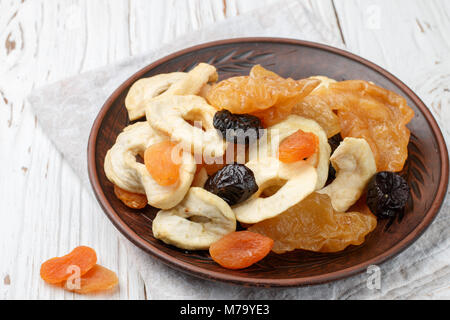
x: 44, y: 211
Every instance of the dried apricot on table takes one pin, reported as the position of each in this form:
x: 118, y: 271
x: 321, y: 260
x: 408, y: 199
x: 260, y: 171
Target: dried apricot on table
x: 313, y: 225
x: 263, y: 94
x: 375, y: 114
x: 58, y: 269
x: 96, y: 279
x: 130, y: 199
x: 239, y: 250
x: 298, y: 146
x: 161, y: 163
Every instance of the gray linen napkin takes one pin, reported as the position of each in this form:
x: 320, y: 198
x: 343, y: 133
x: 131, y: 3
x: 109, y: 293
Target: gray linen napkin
x: 420, y: 271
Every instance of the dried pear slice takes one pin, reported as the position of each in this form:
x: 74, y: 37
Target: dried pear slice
x: 315, y: 107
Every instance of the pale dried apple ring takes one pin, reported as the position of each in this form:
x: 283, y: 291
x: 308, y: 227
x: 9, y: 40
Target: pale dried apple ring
x: 355, y: 165
x: 175, y: 83
x: 122, y: 168
x: 277, y: 133
x: 149, y: 88
x: 198, y: 77
x: 295, y: 182
x: 200, y: 178
x: 178, y: 117
x: 201, y: 219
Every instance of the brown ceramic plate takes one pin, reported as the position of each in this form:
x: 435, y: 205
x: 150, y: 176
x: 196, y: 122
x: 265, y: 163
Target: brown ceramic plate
x: 426, y: 168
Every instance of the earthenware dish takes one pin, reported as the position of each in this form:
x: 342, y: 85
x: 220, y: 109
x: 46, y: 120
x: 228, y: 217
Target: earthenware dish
x: 426, y: 169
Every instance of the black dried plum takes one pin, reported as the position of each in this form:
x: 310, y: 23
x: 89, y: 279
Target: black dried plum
x: 387, y: 194
x: 334, y: 142
x: 238, y: 128
x: 234, y: 183
x: 331, y: 174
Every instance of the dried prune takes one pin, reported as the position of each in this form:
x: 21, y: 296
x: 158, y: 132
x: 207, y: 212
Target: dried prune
x: 387, y: 194
x: 238, y: 128
x: 375, y: 114
x: 314, y: 225
x: 331, y: 174
x: 334, y: 143
x: 234, y: 183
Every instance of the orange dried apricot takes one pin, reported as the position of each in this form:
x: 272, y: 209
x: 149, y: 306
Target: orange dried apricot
x: 263, y: 93
x: 131, y: 200
x: 160, y: 163
x: 375, y: 114
x: 298, y: 146
x: 96, y: 279
x: 239, y: 250
x: 57, y: 269
x: 314, y: 225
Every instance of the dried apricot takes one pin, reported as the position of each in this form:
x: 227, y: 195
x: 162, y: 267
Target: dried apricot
x: 57, y: 269
x: 160, y: 163
x: 375, y: 114
x: 298, y: 146
x: 239, y: 250
x: 261, y: 90
x: 96, y: 279
x: 131, y: 200
x: 314, y: 225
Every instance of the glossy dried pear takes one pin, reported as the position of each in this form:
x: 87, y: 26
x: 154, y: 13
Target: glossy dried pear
x: 262, y: 93
x: 375, y: 114
x: 314, y: 225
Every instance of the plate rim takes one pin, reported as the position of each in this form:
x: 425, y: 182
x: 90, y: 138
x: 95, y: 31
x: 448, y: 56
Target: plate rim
x: 246, y: 280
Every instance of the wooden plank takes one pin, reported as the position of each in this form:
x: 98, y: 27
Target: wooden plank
x: 44, y: 209
x: 408, y: 38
